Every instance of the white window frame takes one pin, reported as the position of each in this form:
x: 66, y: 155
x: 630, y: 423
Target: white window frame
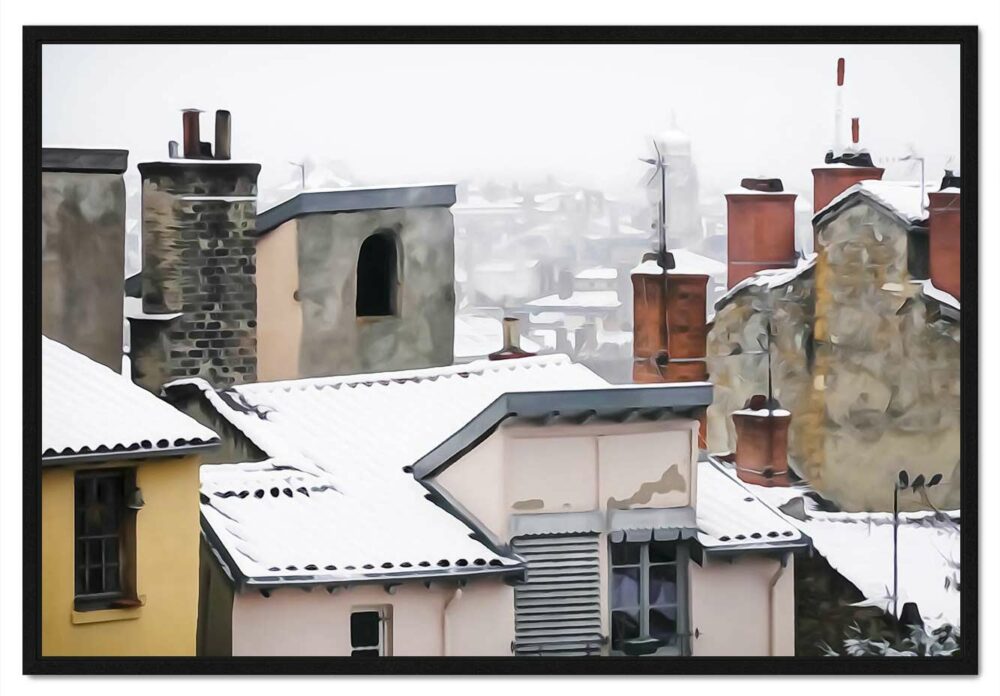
x: 384, y: 612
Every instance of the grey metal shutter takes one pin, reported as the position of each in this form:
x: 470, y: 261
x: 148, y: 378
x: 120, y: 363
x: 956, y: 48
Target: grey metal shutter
x: 557, y: 609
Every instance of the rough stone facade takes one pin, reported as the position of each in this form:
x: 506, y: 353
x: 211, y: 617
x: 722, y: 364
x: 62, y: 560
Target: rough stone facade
x: 198, y: 222
x: 332, y: 338
x: 866, y: 362
x: 83, y: 261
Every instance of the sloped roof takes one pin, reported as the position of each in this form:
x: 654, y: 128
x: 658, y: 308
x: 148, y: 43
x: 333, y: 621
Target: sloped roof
x: 351, y: 437
x: 768, y: 279
x: 899, y: 198
x: 91, y: 412
x: 858, y: 545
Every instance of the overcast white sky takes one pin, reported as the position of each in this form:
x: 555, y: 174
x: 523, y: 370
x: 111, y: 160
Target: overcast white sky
x: 431, y: 113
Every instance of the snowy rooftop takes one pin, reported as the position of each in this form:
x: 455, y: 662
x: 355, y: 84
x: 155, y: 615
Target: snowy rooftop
x: 477, y: 337
x: 90, y: 410
x: 901, y: 198
x: 328, y: 436
x: 685, y: 263
x: 598, y: 273
x: 858, y: 545
x: 768, y: 280
x: 583, y: 299
x: 940, y: 295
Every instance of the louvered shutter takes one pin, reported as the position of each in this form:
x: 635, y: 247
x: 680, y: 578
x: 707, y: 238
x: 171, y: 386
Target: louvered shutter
x: 558, y: 608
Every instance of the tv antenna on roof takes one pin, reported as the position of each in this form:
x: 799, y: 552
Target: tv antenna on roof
x: 661, y: 218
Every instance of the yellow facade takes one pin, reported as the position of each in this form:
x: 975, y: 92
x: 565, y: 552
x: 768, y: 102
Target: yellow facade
x: 167, y: 538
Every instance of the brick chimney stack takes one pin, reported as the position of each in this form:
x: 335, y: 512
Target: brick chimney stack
x: 762, y: 442
x: 761, y: 228
x: 844, y: 167
x: 199, y: 292
x: 946, y: 236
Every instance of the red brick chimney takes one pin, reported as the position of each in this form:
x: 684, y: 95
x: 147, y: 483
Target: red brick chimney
x: 946, y: 238
x: 762, y: 442
x: 669, y: 331
x: 761, y: 228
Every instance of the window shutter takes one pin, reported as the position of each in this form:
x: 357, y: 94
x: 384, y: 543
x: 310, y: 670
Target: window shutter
x: 558, y: 608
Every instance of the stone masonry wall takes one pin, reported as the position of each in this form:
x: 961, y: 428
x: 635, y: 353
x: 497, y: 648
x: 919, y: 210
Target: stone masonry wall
x: 198, y: 222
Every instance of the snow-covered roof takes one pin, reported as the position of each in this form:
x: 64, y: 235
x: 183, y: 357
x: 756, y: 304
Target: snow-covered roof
x: 477, y: 337
x: 505, y: 266
x: 585, y: 299
x: 88, y: 410
x: 346, y: 441
x: 598, y: 273
x: 685, y: 263
x: 729, y: 514
x: 858, y: 545
x: 768, y: 279
x: 901, y: 198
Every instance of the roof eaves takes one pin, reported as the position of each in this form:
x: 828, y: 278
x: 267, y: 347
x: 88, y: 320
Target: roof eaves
x: 353, y: 200
x: 84, y: 160
x: 846, y: 201
x: 80, y: 457
x: 595, y: 402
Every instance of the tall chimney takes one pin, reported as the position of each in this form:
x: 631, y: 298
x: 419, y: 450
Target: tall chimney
x: 761, y: 222
x: 223, y: 134
x: 762, y: 442
x: 511, y: 342
x: 946, y: 236
x: 192, y: 133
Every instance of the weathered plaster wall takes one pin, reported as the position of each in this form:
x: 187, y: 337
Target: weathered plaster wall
x: 867, y: 367
x: 334, y: 340
x: 523, y: 469
x: 198, y: 259
x: 83, y: 262
x: 292, y: 622
x: 167, y: 538
x: 732, y: 610
x: 279, y: 310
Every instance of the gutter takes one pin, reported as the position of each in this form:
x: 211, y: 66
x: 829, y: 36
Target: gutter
x: 86, y: 457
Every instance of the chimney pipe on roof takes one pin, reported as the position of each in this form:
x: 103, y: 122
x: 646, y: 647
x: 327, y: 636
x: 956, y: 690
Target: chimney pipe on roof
x: 172, y: 149
x: 511, y: 342
x: 223, y: 134
x: 840, y: 72
x: 838, y: 109
x: 192, y: 133
x: 855, y: 130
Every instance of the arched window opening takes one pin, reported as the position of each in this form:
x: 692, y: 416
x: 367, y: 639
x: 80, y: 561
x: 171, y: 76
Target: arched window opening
x: 377, y: 281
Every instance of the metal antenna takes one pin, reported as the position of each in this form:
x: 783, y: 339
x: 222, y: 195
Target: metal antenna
x: 661, y: 222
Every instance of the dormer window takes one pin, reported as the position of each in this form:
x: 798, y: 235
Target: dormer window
x: 378, y: 281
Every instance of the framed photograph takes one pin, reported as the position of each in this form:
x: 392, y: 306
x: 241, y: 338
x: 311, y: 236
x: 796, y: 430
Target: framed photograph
x: 630, y: 350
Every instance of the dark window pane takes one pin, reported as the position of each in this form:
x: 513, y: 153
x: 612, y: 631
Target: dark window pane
x: 364, y: 629
x: 369, y: 652
x: 662, y: 584
x: 376, y: 276
x: 625, y: 554
x: 624, y: 587
x: 663, y: 624
x: 662, y: 552
x: 624, y: 625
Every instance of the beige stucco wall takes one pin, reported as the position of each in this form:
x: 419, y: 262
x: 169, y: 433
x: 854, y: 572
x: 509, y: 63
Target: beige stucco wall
x: 523, y: 469
x: 732, y: 610
x: 279, y: 314
x: 480, y: 620
x: 167, y: 537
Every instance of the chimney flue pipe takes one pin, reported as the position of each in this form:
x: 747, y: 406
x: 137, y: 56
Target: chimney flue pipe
x: 223, y: 134
x: 855, y: 130
x: 511, y: 342
x: 192, y: 133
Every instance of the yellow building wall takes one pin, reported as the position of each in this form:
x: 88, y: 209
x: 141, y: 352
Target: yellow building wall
x: 167, y: 537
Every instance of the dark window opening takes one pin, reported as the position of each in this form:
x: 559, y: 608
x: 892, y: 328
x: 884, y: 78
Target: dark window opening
x: 369, y: 632
x: 377, y: 281
x: 104, y: 540
x: 649, y: 598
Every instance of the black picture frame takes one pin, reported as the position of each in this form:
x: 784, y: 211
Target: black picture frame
x: 35, y: 37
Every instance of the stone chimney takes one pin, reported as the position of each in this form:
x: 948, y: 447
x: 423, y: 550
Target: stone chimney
x: 83, y: 250
x: 946, y: 236
x: 761, y: 223
x: 762, y: 442
x: 511, y: 349
x: 199, y: 293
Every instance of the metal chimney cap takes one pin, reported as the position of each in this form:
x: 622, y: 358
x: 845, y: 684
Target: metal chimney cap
x: 192, y: 111
x: 766, y: 185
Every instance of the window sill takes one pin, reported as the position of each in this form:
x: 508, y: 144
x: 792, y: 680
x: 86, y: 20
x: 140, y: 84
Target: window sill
x: 105, y: 615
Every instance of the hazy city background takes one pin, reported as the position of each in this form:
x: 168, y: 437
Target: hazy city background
x: 553, y: 205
